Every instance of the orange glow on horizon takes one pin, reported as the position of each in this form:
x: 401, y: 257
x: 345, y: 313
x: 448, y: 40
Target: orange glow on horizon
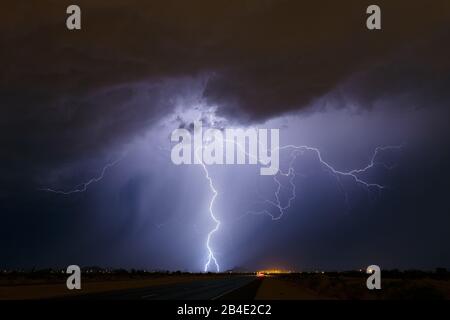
x: 273, y: 271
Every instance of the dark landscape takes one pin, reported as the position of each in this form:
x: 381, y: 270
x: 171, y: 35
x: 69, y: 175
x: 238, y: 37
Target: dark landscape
x: 106, y: 284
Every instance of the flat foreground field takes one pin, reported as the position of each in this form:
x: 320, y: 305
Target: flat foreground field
x: 39, y: 290
x: 299, y: 286
x: 325, y: 287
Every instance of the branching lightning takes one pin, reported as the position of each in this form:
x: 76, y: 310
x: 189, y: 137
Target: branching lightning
x: 291, y: 174
x: 83, y: 186
x: 211, y: 256
x: 353, y: 174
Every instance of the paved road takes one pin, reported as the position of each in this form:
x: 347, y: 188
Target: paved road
x: 204, y: 289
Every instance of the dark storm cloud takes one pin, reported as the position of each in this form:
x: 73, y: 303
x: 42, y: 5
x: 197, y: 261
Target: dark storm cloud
x: 416, y: 76
x: 263, y: 58
x: 70, y: 96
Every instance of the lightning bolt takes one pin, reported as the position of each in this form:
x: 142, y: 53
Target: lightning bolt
x: 83, y: 186
x: 211, y: 257
x: 277, y: 203
x: 291, y: 174
x: 296, y: 150
x: 353, y: 174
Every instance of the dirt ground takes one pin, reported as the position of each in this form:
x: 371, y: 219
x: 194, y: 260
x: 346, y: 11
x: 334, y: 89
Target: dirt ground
x: 277, y: 289
x: 350, y: 288
x: 45, y: 291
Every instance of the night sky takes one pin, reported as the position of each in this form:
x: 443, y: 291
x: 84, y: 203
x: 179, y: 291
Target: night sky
x: 73, y: 102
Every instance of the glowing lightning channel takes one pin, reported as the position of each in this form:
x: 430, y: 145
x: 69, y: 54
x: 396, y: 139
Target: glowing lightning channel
x: 291, y: 174
x: 211, y: 256
x: 373, y: 162
x: 337, y: 174
x: 83, y: 187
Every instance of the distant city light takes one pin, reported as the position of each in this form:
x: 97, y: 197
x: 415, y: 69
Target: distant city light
x: 273, y: 271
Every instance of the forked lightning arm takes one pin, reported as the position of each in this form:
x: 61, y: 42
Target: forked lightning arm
x: 83, y: 187
x: 353, y: 174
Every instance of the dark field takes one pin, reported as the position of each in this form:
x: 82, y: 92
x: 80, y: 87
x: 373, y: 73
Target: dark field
x: 352, y: 286
x: 137, y: 285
